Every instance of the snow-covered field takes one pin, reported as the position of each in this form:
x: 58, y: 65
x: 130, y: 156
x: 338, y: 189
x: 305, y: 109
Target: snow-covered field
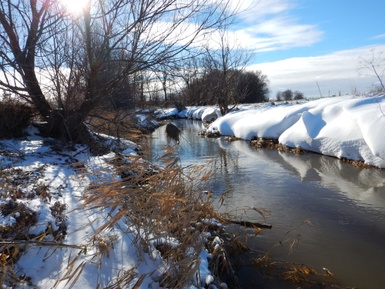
x: 348, y: 127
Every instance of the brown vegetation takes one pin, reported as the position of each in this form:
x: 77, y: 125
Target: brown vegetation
x: 14, y: 118
x: 167, y: 205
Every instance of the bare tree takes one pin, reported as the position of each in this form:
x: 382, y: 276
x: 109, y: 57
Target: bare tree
x: 252, y: 86
x: 220, y: 62
x: 287, y: 94
x: 23, y: 28
x: 375, y: 65
x: 165, y: 74
x: 189, y: 70
x: 298, y: 95
x: 72, y: 55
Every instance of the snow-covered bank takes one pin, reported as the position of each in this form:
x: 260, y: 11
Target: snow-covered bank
x: 344, y: 127
x: 348, y: 127
x: 203, y: 113
x: 57, y: 238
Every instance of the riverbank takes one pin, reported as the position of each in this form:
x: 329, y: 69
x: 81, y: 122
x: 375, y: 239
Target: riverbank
x: 73, y: 220
x: 347, y: 127
x: 262, y: 143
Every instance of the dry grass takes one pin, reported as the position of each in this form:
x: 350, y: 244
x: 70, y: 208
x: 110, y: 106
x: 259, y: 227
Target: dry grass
x: 115, y: 123
x: 168, y: 206
x: 272, y: 143
x: 120, y: 124
x: 15, y: 189
x: 302, y: 275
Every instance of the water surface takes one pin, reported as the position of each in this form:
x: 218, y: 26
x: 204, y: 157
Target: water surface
x: 344, y: 204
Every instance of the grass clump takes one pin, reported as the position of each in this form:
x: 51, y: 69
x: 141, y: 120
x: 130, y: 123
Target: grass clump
x: 169, y: 208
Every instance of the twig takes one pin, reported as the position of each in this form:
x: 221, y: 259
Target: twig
x: 40, y: 244
x: 379, y: 106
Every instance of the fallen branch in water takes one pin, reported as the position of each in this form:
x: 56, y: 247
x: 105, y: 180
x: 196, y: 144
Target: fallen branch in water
x: 250, y: 224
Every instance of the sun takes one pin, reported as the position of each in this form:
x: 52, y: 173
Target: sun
x: 74, y: 7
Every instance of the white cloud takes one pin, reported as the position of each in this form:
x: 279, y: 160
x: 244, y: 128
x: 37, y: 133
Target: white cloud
x: 252, y: 10
x: 280, y: 33
x: 379, y: 36
x: 269, y: 25
x: 263, y: 25
x: 336, y: 72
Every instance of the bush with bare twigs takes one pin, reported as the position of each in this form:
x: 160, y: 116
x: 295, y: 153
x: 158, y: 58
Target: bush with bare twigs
x: 14, y: 118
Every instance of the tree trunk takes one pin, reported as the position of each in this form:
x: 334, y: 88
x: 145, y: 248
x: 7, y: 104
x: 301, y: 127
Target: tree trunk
x: 71, y: 126
x: 67, y: 125
x: 36, y: 94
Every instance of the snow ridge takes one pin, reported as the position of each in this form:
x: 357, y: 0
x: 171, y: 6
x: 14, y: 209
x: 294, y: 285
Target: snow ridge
x: 348, y: 127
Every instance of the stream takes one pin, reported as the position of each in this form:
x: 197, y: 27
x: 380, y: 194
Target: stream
x: 325, y: 213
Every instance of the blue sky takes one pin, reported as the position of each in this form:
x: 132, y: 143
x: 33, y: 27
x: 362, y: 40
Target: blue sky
x: 327, y: 37
x: 343, y: 24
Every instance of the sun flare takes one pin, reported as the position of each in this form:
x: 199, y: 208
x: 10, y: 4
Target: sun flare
x: 75, y: 6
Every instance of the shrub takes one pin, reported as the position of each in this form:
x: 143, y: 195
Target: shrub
x: 14, y: 118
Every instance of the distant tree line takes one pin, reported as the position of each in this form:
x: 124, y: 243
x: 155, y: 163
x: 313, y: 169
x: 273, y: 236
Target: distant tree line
x: 288, y: 94
x: 238, y: 86
x: 205, y: 88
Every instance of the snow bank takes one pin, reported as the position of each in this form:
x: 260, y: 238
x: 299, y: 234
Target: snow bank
x: 145, y: 121
x: 345, y: 127
x: 203, y: 113
x: 166, y: 113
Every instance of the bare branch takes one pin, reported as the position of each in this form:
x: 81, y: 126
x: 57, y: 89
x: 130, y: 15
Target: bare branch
x: 374, y: 66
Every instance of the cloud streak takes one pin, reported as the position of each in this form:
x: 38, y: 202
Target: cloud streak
x: 262, y: 26
x: 337, y: 72
x: 270, y: 25
x: 381, y: 36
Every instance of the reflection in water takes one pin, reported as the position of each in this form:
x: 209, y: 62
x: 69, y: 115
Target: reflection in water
x: 345, y: 205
